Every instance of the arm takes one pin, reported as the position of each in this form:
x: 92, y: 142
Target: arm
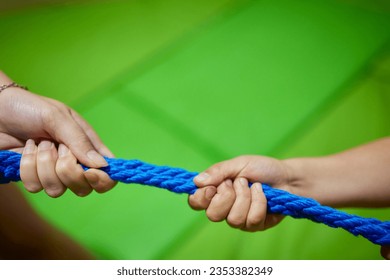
x: 24, y: 115
x: 63, y: 138
x: 358, y: 177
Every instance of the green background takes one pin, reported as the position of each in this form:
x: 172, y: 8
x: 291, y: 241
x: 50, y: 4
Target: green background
x: 191, y: 83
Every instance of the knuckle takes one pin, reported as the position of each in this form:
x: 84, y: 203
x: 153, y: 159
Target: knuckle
x: 102, y: 188
x: 33, y: 188
x: 236, y: 221
x: 216, y: 169
x: 254, y: 222
x: 54, y: 193
x: 61, y: 167
x: 80, y: 140
x: 44, y: 157
x: 214, y: 217
x: 27, y: 161
x: 103, y: 184
x: 194, y: 203
x: 49, y: 115
x: 83, y: 192
x: 228, y: 195
x: 65, y: 168
x: 251, y: 224
x: 243, y: 193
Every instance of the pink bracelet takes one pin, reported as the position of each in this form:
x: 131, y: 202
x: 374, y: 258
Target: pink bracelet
x: 13, y: 84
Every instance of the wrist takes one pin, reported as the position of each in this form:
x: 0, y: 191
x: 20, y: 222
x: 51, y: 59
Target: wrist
x: 6, y: 84
x: 312, y: 177
x: 4, y: 79
x: 295, y: 172
x: 303, y: 177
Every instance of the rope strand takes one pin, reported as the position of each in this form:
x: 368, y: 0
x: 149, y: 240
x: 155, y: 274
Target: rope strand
x: 181, y: 181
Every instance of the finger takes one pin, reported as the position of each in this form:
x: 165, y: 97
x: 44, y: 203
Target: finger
x: 385, y: 252
x: 71, y: 173
x: 46, y: 163
x: 239, y: 211
x: 201, y: 199
x: 222, y: 202
x: 221, y: 171
x: 258, y: 209
x: 95, y: 139
x: 64, y: 129
x: 272, y: 220
x: 99, y: 180
x: 8, y: 142
x: 28, y: 168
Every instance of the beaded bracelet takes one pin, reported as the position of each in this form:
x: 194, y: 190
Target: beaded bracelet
x: 13, y: 84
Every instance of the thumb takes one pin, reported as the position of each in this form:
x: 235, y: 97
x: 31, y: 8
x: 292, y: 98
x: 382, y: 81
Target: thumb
x: 67, y: 131
x: 221, y: 171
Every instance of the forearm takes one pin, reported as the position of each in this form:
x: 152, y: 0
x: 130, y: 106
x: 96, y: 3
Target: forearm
x: 359, y: 177
x: 4, y: 79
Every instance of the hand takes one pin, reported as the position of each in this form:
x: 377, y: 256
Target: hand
x: 225, y: 193
x: 44, y: 167
x: 24, y: 115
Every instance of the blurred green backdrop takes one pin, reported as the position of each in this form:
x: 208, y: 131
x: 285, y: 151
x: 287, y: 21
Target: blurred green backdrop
x: 191, y: 83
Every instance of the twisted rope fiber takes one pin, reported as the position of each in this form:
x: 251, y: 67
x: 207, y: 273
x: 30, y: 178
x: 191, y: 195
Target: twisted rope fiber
x: 181, y: 181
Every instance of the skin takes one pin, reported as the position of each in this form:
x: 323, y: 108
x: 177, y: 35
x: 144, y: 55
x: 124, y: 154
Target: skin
x: 357, y: 177
x: 25, y: 235
x: 52, y: 138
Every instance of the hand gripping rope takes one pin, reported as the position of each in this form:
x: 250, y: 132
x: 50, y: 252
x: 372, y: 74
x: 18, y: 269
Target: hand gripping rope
x: 181, y: 181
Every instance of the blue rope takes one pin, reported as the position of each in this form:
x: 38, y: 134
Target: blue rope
x: 181, y: 181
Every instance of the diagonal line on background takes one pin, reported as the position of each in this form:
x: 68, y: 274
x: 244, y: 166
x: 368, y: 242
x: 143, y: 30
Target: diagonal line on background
x: 116, y: 83
x: 322, y: 110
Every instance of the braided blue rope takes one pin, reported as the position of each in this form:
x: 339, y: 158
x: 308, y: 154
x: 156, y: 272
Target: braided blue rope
x: 181, y: 181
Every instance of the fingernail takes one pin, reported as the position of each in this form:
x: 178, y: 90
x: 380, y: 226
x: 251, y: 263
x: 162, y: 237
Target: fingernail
x: 97, y: 158
x: 45, y: 145
x: 62, y: 151
x: 202, y: 177
x: 30, y: 147
x: 258, y: 187
x: 210, y: 192
x: 243, y: 182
